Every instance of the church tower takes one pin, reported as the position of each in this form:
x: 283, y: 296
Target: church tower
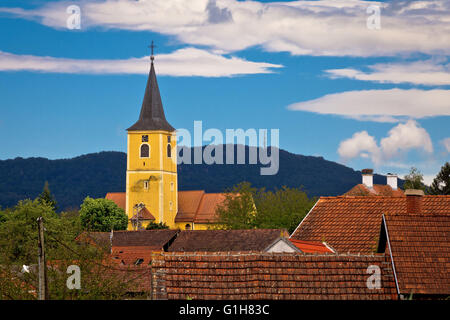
x: 151, y: 184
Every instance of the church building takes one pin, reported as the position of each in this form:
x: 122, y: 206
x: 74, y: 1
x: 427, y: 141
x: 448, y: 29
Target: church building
x: 151, y: 183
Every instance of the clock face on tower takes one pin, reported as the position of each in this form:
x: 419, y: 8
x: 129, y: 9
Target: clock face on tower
x: 145, y: 138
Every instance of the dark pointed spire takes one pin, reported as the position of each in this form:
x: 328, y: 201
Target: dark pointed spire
x: 152, y: 113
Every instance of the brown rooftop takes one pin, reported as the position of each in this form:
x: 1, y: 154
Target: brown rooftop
x: 226, y: 240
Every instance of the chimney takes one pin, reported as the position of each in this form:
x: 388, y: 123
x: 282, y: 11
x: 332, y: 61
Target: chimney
x: 367, y: 177
x: 391, y: 180
x: 414, y: 201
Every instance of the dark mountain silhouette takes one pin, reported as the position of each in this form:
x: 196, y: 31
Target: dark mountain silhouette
x: 71, y: 180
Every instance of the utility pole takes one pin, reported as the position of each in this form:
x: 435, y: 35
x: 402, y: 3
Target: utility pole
x: 43, y: 288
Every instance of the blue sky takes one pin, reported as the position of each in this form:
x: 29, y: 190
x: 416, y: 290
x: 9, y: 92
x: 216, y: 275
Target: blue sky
x: 314, y: 70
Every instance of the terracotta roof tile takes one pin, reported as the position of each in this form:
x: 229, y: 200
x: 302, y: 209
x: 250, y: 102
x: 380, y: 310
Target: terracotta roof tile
x: 118, y: 198
x: 311, y: 246
x: 144, y: 238
x: 377, y: 190
x: 143, y: 214
x: 226, y: 240
x: 352, y: 224
x: 258, y: 276
x: 420, y: 247
x: 193, y: 206
x: 188, y: 203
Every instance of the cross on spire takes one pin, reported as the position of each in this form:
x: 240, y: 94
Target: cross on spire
x: 152, y: 46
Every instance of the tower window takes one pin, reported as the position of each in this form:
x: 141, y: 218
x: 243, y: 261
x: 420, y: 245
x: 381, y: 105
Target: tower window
x: 169, y: 151
x: 145, y: 151
x: 146, y: 185
x: 145, y: 138
x: 171, y: 205
x: 169, y: 138
x: 172, y: 186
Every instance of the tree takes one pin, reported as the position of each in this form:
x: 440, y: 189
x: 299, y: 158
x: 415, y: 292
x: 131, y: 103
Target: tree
x: 246, y: 208
x: 102, y: 215
x: 441, y: 184
x: 154, y: 226
x: 101, y: 278
x: 283, y: 209
x: 414, y: 180
x: 238, y: 209
x: 47, y: 197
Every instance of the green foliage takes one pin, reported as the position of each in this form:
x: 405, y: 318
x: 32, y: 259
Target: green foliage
x: 18, y: 247
x: 154, y: 226
x: 102, y: 215
x: 47, y: 197
x: 441, y: 184
x: 238, y: 209
x: 414, y: 180
x: 246, y: 207
x: 284, y: 208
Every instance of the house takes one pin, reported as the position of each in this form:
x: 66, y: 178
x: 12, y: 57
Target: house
x: 351, y: 224
x: 271, y: 276
x: 368, y: 188
x: 136, y: 247
x: 419, y: 247
x: 261, y: 240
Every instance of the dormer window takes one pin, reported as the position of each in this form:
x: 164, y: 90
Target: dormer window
x: 145, y: 138
x: 145, y: 151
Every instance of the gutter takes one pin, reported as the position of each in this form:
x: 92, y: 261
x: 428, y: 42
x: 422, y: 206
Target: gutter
x: 390, y: 254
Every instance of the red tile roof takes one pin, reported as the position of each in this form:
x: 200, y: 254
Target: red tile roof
x: 377, y: 190
x: 257, y: 276
x: 311, y: 246
x: 143, y: 214
x: 193, y: 206
x: 352, y: 224
x: 118, y: 197
x: 143, y: 238
x: 420, y: 246
x: 226, y: 240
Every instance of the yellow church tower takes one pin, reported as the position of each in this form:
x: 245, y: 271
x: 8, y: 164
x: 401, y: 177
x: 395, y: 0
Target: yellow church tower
x: 151, y: 182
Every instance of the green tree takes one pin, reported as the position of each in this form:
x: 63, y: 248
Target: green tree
x: 238, y: 209
x: 284, y: 208
x: 414, y: 180
x: 154, y: 226
x: 47, y: 197
x: 246, y: 207
x: 101, y: 279
x: 441, y: 184
x: 102, y: 215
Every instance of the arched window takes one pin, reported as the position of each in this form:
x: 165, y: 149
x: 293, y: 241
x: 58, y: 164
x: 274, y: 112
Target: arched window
x: 187, y: 227
x: 169, y: 151
x: 145, y: 151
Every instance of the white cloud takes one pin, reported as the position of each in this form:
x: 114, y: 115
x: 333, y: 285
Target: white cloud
x: 183, y: 62
x: 404, y: 137
x: 446, y: 143
x: 401, y: 139
x: 325, y: 27
x: 361, y: 144
x: 381, y: 105
x: 429, y: 72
